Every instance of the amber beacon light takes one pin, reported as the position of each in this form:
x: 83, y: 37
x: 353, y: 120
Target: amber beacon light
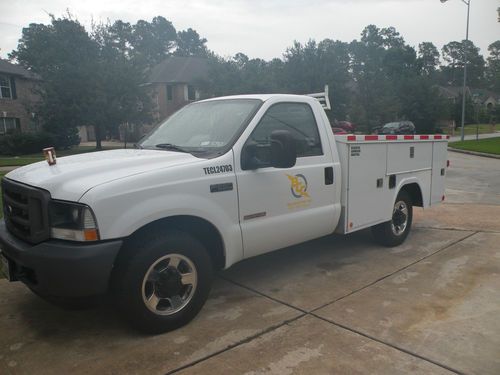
x: 50, y: 155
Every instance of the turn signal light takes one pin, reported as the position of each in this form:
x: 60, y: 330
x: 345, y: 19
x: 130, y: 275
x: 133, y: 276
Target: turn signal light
x: 91, y: 234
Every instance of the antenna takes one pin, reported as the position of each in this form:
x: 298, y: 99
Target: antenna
x: 323, y: 98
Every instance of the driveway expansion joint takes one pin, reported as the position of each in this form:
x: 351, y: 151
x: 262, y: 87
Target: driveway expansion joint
x: 237, y: 344
x: 373, y: 338
x: 264, y: 295
x: 393, y: 273
x: 458, y: 229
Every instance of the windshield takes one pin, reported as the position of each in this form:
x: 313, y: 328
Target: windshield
x: 203, y: 127
x: 391, y: 125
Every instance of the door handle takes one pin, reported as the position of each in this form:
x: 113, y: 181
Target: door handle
x: 329, y: 176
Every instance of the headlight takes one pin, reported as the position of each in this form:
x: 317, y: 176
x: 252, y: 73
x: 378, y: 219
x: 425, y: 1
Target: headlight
x: 72, y: 221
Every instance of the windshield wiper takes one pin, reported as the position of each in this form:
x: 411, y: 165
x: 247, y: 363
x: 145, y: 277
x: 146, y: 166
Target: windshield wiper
x: 171, y: 147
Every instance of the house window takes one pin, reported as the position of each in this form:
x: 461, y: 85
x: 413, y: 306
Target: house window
x: 5, y: 88
x: 9, y: 125
x: 170, y: 92
x: 191, y: 93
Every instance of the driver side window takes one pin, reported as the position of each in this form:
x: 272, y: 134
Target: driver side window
x: 298, y: 119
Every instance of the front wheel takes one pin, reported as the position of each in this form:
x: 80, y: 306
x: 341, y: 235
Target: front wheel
x: 395, y: 231
x: 165, y: 283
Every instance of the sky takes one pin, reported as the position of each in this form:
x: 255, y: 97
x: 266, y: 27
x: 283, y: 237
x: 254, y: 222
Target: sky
x: 265, y: 28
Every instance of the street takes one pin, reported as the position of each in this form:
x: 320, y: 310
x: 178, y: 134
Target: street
x: 339, y: 304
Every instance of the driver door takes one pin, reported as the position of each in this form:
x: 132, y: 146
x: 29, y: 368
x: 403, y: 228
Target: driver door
x: 282, y: 207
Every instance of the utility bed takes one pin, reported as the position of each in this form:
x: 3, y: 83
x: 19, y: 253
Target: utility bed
x: 373, y: 167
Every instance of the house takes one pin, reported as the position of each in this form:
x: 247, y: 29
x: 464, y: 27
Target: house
x: 486, y: 98
x: 173, y: 84
x: 18, y: 99
x: 480, y: 97
x: 452, y: 93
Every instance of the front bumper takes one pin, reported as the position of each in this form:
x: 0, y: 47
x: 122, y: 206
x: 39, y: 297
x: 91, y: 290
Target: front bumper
x: 60, y: 268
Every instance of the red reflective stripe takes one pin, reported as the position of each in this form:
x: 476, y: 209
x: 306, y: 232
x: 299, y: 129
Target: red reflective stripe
x: 391, y: 137
x: 371, y: 137
x: 447, y: 137
x: 438, y: 137
x: 351, y: 137
x: 424, y: 137
x: 409, y: 137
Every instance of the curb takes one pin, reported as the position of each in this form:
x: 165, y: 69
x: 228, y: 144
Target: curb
x: 483, y: 154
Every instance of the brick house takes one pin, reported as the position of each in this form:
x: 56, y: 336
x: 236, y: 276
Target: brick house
x: 485, y: 98
x: 17, y: 99
x: 173, y: 84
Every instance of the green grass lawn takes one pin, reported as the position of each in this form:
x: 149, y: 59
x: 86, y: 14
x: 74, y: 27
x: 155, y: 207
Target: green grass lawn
x: 471, y: 129
x: 17, y: 161
x: 489, y: 145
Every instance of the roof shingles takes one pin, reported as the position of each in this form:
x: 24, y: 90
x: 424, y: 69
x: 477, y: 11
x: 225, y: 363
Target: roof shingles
x: 14, y: 69
x: 178, y: 69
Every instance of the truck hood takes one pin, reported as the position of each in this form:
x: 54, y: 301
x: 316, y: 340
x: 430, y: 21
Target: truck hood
x: 73, y: 175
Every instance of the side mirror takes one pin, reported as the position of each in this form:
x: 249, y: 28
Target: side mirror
x: 249, y: 160
x: 281, y: 153
x: 283, y: 150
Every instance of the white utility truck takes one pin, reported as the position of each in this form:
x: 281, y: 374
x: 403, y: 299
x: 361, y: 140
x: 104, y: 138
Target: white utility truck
x: 221, y: 180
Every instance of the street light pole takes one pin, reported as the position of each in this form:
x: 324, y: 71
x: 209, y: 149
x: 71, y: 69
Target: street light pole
x: 464, y: 86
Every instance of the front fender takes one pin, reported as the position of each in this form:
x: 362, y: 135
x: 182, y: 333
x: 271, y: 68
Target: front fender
x: 123, y: 208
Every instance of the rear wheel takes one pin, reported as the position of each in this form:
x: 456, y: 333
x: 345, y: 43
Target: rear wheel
x: 395, y: 231
x: 165, y: 283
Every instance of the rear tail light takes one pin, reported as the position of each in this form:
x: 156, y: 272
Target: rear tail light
x: 448, y: 164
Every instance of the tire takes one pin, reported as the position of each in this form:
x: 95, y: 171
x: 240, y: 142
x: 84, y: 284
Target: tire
x: 164, y: 283
x: 394, y: 232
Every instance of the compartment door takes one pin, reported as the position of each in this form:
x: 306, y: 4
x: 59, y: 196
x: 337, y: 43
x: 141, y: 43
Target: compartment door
x: 369, y: 197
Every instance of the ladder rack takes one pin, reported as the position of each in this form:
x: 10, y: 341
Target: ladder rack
x: 323, y: 98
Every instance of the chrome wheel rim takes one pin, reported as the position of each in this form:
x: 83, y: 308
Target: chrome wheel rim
x: 399, y: 218
x: 169, y: 284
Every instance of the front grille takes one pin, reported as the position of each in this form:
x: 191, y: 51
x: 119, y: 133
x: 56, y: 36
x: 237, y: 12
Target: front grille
x: 25, y: 210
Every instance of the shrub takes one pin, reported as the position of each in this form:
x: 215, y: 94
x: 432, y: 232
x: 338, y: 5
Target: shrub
x: 26, y: 143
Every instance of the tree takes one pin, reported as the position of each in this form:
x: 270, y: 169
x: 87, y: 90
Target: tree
x: 64, y: 55
x: 379, y: 63
x: 86, y: 78
x: 456, y: 110
x: 428, y: 58
x: 493, y: 68
x: 453, y: 54
x: 152, y: 42
x: 120, y: 97
x: 422, y: 104
x: 189, y: 43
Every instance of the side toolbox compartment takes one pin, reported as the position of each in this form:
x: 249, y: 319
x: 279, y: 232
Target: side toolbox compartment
x: 366, y: 187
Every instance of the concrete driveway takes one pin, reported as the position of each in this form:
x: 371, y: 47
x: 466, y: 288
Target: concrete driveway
x: 333, y: 305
